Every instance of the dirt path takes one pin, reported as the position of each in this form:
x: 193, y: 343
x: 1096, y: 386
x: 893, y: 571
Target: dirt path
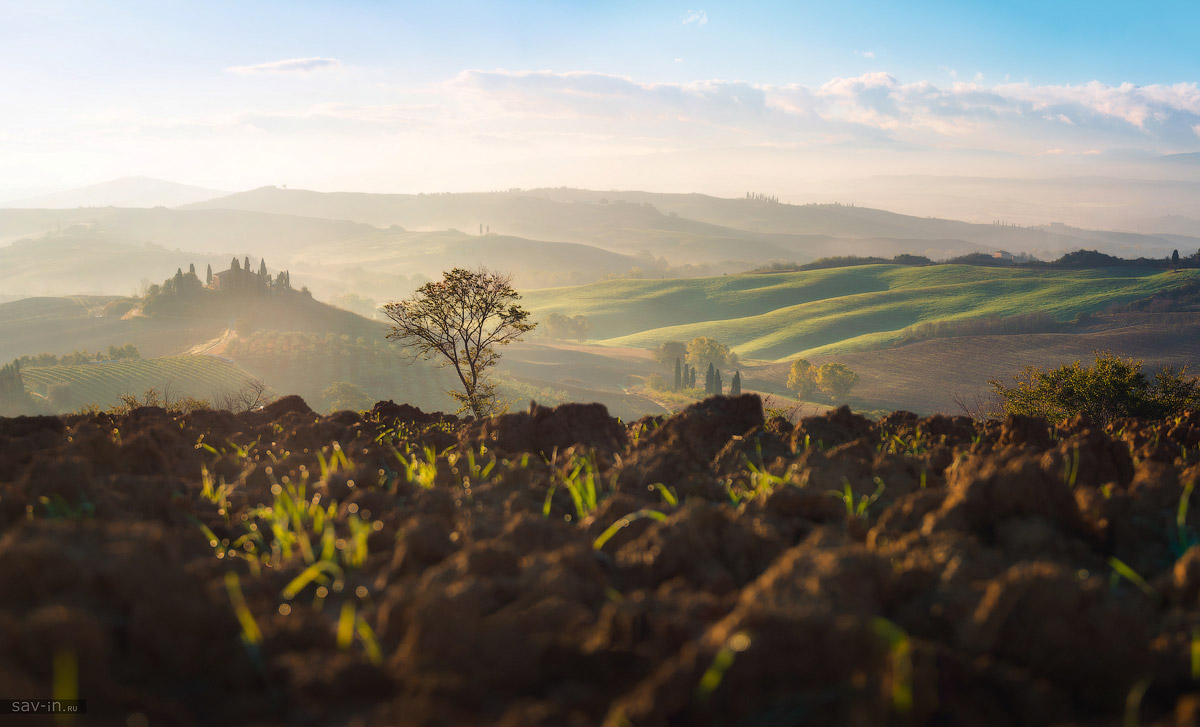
x: 216, y: 346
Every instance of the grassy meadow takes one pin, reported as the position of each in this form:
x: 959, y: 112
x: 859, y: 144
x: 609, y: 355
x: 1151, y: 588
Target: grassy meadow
x: 820, y: 312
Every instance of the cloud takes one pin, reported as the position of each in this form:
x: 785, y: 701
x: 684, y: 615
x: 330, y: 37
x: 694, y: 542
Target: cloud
x: 868, y: 54
x: 699, y: 17
x: 1008, y: 117
x: 290, y: 65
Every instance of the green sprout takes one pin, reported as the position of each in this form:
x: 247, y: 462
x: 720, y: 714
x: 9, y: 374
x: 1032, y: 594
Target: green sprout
x: 860, y: 508
x: 620, y: 524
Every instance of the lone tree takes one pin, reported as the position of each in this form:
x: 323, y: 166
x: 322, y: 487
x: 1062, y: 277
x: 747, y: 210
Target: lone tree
x: 462, y: 319
x: 836, y: 380
x: 802, y: 378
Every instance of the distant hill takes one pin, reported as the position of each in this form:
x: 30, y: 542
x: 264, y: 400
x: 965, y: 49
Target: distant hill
x: 64, y: 325
x: 691, y: 227
x: 112, y: 250
x: 124, y: 192
x: 777, y: 316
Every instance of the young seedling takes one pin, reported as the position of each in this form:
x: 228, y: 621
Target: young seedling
x: 861, y: 508
x: 1183, y: 538
x: 900, y: 656
x: 616, y: 527
x: 721, y: 663
x: 1122, y: 570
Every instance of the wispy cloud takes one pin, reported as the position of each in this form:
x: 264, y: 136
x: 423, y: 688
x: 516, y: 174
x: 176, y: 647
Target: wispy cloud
x: 289, y: 65
x: 699, y: 17
x: 1010, y: 116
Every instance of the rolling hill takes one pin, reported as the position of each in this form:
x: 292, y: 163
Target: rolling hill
x: 694, y: 227
x: 124, y: 192
x: 70, y: 387
x: 114, y: 250
x: 778, y: 316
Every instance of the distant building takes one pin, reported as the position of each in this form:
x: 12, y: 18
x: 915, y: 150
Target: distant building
x: 1003, y: 255
x: 225, y: 277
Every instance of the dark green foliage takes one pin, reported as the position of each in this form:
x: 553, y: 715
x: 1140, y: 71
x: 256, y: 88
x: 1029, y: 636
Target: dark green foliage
x: 692, y: 378
x: 906, y: 259
x: 13, y: 399
x: 176, y: 295
x: 669, y: 351
x: 114, y: 353
x: 678, y: 375
x: 709, y: 378
x: 718, y: 387
x: 1111, y: 388
x: 735, y: 386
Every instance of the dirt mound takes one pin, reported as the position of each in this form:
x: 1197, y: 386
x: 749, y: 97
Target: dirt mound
x: 558, y: 567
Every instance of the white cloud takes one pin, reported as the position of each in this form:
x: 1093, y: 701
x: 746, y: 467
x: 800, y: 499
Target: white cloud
x: 1009, y: 117
x: 699, y: 17
x: 290, y: 65
x: 868, y: 54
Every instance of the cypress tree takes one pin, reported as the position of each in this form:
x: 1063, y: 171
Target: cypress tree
x: 678, y: 375
x: 692, y: 378
x: 735, y: 386
x: 262, y: 268
x: 191, y: 268
x: 235, y: 265
x: 709, y: 377
x: 247, y: 267
x: 208, y: 281
x: 717, y: 387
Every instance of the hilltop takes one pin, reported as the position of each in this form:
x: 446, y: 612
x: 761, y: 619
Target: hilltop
x: 123, y: 192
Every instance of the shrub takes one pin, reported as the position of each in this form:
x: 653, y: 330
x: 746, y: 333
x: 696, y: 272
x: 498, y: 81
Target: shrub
x: 1111, y: 388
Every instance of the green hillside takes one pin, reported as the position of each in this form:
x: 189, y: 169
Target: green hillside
x: 815, y: 312
x: 67, y: 388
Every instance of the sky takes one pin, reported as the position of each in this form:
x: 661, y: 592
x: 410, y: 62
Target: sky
x: 371, y: 95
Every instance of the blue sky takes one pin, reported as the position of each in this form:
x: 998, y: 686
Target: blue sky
x: 368, y: 94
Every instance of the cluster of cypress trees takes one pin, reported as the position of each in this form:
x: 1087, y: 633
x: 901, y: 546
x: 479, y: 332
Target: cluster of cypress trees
x: 685, y: 378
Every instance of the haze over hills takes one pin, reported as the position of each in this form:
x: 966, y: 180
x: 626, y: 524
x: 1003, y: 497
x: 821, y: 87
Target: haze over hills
x: 382, y: 245
x: 675, y: 225
x: 123, y: 192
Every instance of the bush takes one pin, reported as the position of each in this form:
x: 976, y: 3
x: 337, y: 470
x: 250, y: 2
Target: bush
x: 1111, y: 388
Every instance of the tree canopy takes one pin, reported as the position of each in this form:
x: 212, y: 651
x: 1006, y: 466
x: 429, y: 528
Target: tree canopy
x: 462, y: 319
x: 802, y: 378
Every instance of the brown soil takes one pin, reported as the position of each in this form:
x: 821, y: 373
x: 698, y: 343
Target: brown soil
x: 911, y: 571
